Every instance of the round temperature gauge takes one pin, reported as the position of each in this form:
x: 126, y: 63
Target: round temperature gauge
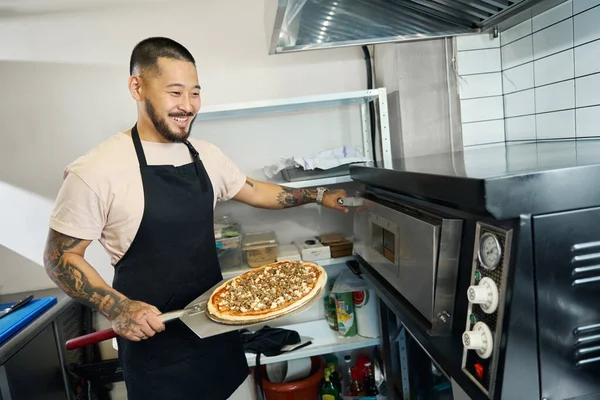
x: 490, y: 252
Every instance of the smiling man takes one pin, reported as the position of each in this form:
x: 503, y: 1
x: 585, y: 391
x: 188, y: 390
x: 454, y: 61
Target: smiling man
x: 148, y: 196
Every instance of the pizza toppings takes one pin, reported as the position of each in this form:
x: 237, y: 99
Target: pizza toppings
x: 268, y: 288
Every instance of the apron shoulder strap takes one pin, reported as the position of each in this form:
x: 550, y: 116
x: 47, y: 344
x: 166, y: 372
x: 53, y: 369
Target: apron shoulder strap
x: 137, y: 143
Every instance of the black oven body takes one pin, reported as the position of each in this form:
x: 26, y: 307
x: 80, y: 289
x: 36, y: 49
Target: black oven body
x: 548, y: 340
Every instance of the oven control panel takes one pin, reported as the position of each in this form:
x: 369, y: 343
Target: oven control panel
x: 485, y: 294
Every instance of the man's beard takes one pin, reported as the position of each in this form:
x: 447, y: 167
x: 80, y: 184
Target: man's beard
x: 161, y: 125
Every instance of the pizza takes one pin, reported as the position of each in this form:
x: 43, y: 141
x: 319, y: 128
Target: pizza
x: 267, y: 292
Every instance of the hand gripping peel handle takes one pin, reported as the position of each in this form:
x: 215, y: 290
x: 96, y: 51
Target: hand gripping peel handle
x: 107, y: 334
x: 350, y: 201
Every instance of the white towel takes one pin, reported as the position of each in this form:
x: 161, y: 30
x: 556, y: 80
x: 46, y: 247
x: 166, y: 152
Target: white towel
x: 325, y: 159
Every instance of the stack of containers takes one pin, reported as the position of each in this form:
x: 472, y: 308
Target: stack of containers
x: 228, y: 240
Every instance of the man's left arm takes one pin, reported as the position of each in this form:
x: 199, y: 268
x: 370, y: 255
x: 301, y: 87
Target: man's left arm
x: 272, y: 196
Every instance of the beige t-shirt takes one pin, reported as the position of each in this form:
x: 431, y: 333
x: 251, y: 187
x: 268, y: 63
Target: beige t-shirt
x: 102, y: 195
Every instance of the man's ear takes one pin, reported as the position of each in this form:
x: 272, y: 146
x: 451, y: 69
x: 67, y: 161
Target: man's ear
x: 135, y: 87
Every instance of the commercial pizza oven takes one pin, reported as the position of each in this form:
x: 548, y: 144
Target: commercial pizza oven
x: 515, y: 223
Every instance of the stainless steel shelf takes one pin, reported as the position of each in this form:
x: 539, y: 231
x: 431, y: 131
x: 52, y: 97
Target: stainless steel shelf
x: 324, y: 341
x: 317, y: 182
x: 288, y: 105
x: 233, y: 272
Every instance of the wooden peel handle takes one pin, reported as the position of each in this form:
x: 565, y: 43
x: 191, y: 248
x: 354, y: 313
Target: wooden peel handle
x: 91, y: 338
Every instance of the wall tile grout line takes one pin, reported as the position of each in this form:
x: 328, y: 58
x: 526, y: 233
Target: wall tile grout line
x: 584, y: 11
x: 547, y: 84
x: 481, y: 49
x: 516, y: 40
x: 534, y: 91
x: 519, y: 91
x: 574, y: 68
x: 480, y: 97
x: 542, y: 58
x: 554, y: 111
x: 584, y: 43
x: 482, y: 73
x: 483, y: 120
x: 482, y: 144
x: 503, y: 99
x: 587, y: 75
x: 545, y: 112
x: 559, y: 139
x: 572, y: 47
x: 517, y: 66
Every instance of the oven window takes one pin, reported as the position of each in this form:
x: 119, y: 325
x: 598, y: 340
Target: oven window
x: 384, y: 242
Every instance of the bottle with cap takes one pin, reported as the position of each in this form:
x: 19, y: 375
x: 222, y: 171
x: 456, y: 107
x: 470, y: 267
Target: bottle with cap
x: 356, y: 388
x: 347, y: 375
x: 335, y: 378
x: 370, y: 385
x: 328, y: 390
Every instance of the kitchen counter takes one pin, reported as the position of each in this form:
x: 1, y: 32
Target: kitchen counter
x: 18, y: 340
x: 504, y: 181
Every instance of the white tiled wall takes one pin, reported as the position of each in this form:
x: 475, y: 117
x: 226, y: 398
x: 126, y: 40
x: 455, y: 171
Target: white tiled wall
x: 550, y: 77
x: 480, y: 89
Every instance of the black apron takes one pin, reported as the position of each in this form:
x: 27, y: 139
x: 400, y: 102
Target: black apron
x: 171, y: 262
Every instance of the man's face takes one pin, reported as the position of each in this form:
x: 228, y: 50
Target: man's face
x: 173, y: 98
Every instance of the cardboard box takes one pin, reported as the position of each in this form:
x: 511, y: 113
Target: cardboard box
x: 311, y: 249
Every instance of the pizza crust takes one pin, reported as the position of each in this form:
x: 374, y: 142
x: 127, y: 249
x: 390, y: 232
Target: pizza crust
x: 258, y: 316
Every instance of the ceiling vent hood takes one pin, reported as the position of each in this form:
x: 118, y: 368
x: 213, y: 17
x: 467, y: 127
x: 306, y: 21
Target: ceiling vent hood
x: 297, y: 25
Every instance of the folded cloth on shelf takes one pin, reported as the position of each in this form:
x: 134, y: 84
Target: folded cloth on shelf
x: 325, y: 159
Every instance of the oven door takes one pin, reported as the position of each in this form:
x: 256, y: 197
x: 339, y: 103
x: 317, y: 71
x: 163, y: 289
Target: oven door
x: 416, y: 252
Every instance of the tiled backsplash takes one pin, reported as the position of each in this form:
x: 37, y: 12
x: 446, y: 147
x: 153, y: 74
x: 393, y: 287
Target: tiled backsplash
x: 480, y: 89
x: 548, y: 72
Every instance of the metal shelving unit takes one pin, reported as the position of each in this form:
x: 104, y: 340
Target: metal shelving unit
x: 323, y: 339
x: 233, y: 272
x: 360, y: 98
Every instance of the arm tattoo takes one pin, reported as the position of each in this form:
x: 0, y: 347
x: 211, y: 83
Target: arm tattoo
x: 249, y: 183
x: 289, y: 197
x: 63, y: 269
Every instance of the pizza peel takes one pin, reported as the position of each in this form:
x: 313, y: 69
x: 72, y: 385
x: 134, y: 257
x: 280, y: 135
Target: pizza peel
x: 196, y: 318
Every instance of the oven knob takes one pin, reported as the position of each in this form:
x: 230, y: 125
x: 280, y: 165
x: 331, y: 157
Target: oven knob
x: 485, y: 294
x: 479, y: 339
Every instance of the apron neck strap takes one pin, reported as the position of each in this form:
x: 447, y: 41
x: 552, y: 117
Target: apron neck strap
x: 137, y: 143
x: 192, y: 150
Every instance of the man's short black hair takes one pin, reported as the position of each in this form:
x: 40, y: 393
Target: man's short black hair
x: 146, y: 53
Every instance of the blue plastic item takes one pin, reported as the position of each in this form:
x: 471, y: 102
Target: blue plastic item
x: 15, y: 321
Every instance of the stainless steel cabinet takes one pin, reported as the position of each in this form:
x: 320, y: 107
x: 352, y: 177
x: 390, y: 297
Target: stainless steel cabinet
x: 35, y: 371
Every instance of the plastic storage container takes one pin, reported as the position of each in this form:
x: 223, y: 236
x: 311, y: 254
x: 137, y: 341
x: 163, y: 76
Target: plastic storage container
x: 228, y: 240
x: 229, y: 251
x: 260, y: 248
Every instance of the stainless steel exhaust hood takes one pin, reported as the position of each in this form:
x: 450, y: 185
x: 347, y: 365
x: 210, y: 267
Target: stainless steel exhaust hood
x: 296, y: 25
